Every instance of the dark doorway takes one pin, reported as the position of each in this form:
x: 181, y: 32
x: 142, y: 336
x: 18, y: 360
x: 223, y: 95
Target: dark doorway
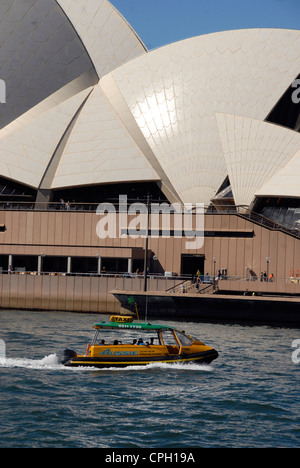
x: 190, y: 264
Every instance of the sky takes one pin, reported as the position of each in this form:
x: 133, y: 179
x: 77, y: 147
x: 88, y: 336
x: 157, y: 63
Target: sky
x: 161, y: 22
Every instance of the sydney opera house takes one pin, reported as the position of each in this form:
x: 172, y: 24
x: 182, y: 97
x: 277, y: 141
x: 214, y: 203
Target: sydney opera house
x: 90, y: 114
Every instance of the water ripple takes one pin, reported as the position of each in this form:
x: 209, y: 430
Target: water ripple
x: 247, y: 398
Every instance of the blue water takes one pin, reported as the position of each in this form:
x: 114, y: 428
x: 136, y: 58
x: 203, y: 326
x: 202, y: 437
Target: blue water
x: 248, y: 397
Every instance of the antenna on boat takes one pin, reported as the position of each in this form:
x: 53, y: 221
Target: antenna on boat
x: 137, y: 313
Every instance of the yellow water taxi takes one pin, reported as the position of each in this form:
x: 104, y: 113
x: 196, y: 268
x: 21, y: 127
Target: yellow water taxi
x: 144, y: 344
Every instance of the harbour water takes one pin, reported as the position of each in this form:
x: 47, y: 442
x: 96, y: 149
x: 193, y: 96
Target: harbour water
x: 248, y: 397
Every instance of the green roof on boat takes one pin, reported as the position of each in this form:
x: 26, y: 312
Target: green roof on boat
x: 132, y: 326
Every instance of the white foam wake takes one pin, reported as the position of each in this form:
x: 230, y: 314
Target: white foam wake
x: 174, y: 366
x: 51, y: 362
x: 48, y: 362
x: 158, y: 366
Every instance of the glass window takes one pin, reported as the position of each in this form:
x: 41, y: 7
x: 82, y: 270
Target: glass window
x: 168, y: 338
x: 184, y: 339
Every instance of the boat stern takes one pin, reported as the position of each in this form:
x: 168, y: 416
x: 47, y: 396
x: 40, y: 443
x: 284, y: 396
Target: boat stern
x: 67, y: 356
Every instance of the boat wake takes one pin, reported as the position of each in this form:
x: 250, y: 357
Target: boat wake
x: 48, y: 362
x: 163, y: 366
x: 52, y: 362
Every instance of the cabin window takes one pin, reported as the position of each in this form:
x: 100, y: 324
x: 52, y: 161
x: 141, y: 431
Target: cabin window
x: 184, y: 339
x: 169, y: 339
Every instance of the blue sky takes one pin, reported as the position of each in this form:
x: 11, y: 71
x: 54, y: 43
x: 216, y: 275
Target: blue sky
x: 160, y: 22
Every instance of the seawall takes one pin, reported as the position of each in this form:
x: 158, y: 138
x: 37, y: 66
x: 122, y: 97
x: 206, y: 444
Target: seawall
x: 70, y: 293
x: 276, y: 311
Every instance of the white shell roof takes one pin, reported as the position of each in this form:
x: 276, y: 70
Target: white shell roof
x: 100, y: 150
x: 106, y: 35
x: 285, y: 183
x: 71, y: 38
x: 254, y: 151
x: 40, y: 52
x: 26, y: 152
x: 187, y: 115
x: 175, y: 92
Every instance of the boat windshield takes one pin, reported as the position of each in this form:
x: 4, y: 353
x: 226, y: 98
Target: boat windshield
x: 184, y: 339
x: 169, y: 338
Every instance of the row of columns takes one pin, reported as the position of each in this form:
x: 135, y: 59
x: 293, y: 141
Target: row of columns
x: 69, y: 264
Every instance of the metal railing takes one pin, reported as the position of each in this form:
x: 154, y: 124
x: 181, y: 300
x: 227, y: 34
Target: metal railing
x: 110, y: 274
x: 266, y: 222
x: 92, y: 206
x: 192, y: 286
x: 259, y: 279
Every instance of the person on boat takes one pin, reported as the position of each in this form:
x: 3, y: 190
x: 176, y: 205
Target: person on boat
x: 140, y: 342
x: 134, y: 342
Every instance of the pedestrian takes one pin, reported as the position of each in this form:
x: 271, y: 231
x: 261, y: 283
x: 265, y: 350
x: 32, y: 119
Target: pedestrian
x: 265, y: 276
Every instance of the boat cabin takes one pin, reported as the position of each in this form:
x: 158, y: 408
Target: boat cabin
x: 155, y: 337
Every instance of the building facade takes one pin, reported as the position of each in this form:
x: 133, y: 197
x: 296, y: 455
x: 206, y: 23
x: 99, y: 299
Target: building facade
x: 90, y: 114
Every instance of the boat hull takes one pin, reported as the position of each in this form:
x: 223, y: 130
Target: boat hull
x: 205, y: 357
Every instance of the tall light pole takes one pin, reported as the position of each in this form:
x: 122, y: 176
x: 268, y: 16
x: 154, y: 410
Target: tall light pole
x: 214, y: 279
x: 214, y: 262
x: 268, y: 263
x: 146, y: 244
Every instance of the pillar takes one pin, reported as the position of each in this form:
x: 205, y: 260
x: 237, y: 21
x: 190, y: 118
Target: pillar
x: 69, y: 265
x: 99, y: 266
x: 10, y: 263
x: 40, y: 263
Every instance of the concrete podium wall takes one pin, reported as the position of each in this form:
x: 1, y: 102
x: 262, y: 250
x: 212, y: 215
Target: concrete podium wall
x: 70, y: 293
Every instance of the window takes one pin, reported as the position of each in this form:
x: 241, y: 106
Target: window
x: 184, y: 339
